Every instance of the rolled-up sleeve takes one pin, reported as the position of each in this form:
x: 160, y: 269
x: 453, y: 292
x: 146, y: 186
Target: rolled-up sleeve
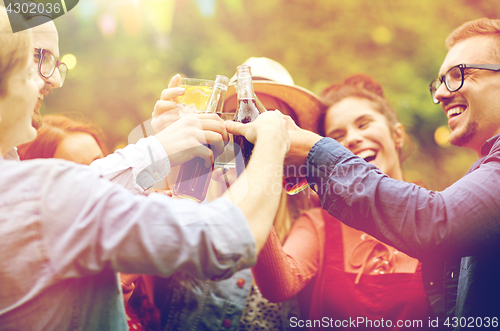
x: 459, y: 221
x: 89, y: 224
x: 137, y: 167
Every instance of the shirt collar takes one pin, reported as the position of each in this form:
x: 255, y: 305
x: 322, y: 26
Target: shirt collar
x: 488, y: 145
x: 12, y: 155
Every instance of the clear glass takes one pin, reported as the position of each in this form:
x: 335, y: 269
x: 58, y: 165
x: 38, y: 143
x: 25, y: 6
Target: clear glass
x: 227, y: 159
x: 194, y: 177
x: 197, y: 94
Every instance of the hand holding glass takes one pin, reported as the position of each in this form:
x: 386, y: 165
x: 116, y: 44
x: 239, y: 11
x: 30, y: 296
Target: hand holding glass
x: 202, y: 96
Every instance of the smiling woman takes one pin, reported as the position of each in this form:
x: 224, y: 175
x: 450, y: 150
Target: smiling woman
x: 361, y: 119
x: 353, y: 274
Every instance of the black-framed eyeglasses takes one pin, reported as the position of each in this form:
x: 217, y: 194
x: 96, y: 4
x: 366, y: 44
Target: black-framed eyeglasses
x: 47, y: 64
x: 454, y: 78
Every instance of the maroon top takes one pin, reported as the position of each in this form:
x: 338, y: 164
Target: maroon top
x: 393, y: 297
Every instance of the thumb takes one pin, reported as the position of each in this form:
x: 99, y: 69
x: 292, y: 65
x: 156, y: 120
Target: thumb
x: 175, y: 81
x: 235, y: 128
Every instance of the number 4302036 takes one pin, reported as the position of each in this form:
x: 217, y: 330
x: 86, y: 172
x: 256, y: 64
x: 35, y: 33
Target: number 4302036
x: 471, y: 322
x: 33, y: 8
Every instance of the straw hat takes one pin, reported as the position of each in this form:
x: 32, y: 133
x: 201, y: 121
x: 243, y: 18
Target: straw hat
x: 271, y: 78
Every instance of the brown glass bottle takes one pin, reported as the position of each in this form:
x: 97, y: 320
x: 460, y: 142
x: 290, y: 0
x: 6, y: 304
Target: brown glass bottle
x: 247, y: 111
x: 194, y: 177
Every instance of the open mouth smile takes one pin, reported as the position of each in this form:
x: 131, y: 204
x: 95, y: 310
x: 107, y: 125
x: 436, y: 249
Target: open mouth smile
x: 368, y: 155
x: 455, y: 111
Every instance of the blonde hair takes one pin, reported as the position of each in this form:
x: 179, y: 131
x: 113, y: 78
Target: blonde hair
x: 290, y: 208
x: 15, y: 48
x: 480, y: 27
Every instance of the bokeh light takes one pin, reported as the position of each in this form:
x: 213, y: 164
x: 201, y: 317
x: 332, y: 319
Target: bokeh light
x: 382, y: 35
x: 442, y: 136
x: 107, y: 25
x: 69, y: 60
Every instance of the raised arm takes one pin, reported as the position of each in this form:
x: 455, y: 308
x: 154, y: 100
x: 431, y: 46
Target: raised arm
x: 139, y: 166
x: 89, y: 224
x: 459, y: 221
x: 281, y: 272
x: 257, y: 191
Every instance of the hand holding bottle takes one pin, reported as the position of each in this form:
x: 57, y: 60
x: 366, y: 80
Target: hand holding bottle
x: 269, y: 127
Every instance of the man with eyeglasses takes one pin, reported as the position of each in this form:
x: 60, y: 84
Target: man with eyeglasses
x: 66, y: 231
x: 127, y: 165
x: 456, y: 232
x: 46, y: 56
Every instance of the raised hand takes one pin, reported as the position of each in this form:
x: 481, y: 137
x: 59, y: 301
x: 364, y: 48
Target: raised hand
x: 271, y: 125
x: 184, y: 138
x: 167, y: 109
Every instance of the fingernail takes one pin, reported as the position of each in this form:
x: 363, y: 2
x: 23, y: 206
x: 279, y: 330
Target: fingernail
x: 179, y: 105
x: 181, y: 90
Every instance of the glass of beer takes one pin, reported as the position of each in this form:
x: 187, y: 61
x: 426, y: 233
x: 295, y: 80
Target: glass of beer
x: 201, y: 96
x: 197, y: 94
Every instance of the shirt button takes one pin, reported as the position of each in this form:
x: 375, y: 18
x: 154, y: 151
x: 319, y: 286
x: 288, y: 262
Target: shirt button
x: 227, y: 323
x: 451, y: 275
x: 432, y: 283
x: 240, y: 283
x: 156, y: 175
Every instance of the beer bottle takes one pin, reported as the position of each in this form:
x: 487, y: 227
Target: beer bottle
x: 248, y: 108
x: 194, y: 177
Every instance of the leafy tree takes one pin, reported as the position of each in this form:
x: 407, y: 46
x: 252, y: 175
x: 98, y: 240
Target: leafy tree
x: 119, y: 76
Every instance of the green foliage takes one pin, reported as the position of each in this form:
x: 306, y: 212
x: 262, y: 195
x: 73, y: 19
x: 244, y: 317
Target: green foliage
x: 400, y: 43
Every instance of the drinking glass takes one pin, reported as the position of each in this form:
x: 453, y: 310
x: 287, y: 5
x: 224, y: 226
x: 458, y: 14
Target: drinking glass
x: 226, y: 160
x: 193, y: 178
x: 197, y: 94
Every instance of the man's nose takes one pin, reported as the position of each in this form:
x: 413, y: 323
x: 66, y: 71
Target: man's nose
x: 54, y: 79
x: 442, y: 93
